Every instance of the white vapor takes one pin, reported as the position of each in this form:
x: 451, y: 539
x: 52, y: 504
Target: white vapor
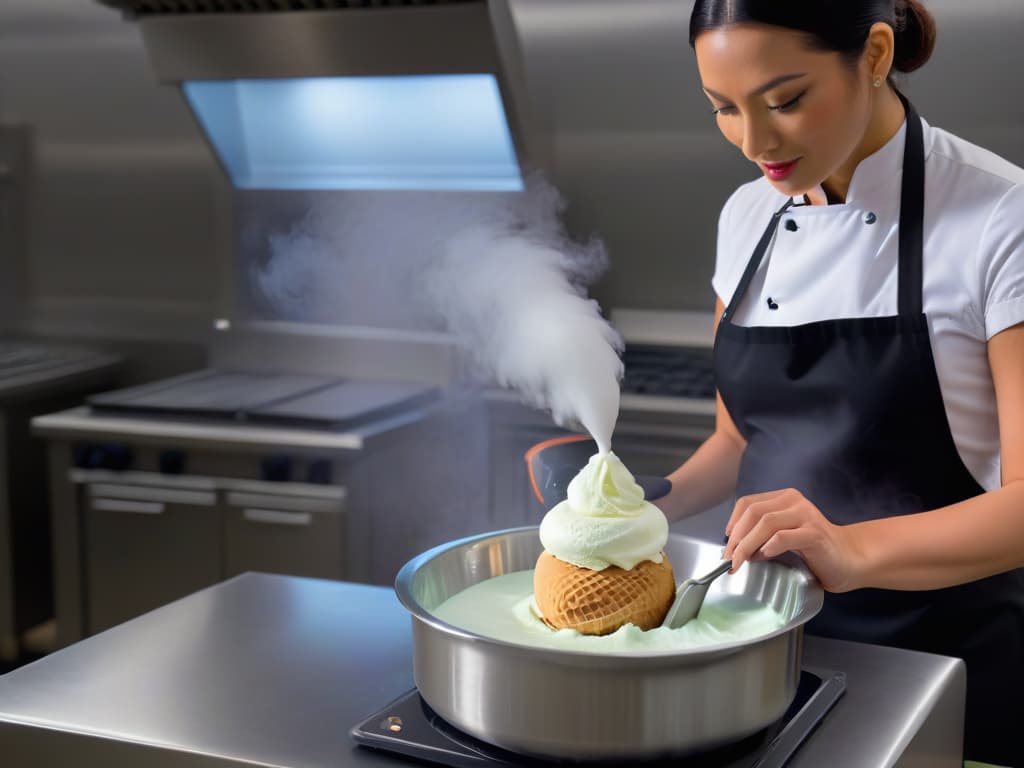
x: 495, y: 270
x: 512, y: 291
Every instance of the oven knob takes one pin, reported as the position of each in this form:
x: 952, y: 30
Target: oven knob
x: 116, y: 456
x: 319, y: 472
x: 171, y: 462
x: 277, y: 469
x: 87, y: 456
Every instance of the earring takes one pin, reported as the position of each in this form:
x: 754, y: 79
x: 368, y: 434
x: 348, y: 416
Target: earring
x: 877, y: 82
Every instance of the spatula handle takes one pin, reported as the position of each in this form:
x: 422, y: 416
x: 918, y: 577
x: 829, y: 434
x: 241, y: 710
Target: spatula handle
x: 724, y: 566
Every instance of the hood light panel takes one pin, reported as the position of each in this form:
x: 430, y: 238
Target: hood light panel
x: 443, y: 132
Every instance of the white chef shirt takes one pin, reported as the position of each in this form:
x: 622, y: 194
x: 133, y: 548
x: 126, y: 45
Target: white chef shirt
x: 840, y: 261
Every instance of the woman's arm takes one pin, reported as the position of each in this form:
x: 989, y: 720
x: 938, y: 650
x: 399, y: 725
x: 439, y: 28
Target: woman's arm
x: 962, y: 542
x: 708, y: 477
x: 975, y: 538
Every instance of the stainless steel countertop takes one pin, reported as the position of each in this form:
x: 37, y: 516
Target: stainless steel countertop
x: 79, y: 421
x: 274, y: 670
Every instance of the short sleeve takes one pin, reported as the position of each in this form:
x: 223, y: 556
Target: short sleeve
x: 1002, y: 263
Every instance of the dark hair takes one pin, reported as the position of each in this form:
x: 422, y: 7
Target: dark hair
x: 832, y: 25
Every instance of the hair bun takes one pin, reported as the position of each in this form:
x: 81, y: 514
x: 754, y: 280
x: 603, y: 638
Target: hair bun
x: 915, y: 35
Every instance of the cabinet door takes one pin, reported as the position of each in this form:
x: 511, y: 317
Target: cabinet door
x: 288, y: 534
x: 145, y: 547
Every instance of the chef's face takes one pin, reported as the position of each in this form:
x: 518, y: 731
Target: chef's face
x: 798, y: 113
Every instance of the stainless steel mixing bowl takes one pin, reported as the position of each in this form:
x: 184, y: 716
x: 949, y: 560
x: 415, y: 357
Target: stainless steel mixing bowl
x: 581, y: 705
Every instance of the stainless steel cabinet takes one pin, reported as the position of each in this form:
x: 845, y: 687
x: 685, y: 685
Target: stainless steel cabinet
x: 147, y: 539
x: 146, y: 546
x: 291, y: 534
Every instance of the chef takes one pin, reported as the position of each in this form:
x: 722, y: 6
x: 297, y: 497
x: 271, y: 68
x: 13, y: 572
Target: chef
x: 869, y: 347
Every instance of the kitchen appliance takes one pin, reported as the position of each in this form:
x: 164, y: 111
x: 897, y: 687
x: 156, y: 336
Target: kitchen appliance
x: 35, y: 377
x: 668, y: 371
x: 575, y: 705
x: 283, y: 399
x: 408, y: 726
x: 162, y: 489
x: 667, y: 362
x: 358, y: 98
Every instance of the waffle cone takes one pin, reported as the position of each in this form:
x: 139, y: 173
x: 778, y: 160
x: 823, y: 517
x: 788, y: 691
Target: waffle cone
x: 599, y: 602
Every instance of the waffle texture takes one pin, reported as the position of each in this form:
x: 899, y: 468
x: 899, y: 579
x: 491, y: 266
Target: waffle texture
x: 599, y: 602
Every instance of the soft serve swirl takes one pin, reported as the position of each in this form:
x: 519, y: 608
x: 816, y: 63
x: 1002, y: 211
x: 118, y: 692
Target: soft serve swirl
x: 604, y: 519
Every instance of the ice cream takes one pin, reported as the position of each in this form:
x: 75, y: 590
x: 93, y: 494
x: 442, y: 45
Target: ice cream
x: 603, y: 564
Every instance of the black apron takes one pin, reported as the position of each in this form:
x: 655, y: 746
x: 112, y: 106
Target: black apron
x: 849, y: 412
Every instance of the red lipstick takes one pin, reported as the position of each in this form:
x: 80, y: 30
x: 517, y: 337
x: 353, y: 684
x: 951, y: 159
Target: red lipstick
x: 779, y: 171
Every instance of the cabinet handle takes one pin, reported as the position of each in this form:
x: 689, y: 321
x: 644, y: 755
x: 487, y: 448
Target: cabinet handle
x: 162, y: 495
x: 279, y: 502
x: 275, y: 517
x: 132, y: 507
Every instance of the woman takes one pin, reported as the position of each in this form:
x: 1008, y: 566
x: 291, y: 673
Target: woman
x: 869, y: 348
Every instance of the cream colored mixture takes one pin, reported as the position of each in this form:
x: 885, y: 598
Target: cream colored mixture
x: 503, y: 608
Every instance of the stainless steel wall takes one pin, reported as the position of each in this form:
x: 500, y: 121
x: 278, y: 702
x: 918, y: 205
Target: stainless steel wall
x: 124, y: 223
x: 129, y: 230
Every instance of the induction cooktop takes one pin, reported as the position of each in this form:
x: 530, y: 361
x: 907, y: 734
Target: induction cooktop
x: 408, y: 726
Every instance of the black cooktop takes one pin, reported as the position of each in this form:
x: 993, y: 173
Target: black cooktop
x: 408, y: 726
x: 267, y: 398
x: 668, y: 371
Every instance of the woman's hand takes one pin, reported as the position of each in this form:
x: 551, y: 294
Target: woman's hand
x: 765, y: 525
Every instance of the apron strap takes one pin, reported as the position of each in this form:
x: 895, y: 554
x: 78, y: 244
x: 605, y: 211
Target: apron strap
x: 911, y: 258
x: 755, y: 260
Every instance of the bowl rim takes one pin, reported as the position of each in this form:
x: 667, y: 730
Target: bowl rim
x: 403, y: 590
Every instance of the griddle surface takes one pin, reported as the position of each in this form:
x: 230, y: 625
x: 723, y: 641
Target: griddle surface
x: 266, y: 398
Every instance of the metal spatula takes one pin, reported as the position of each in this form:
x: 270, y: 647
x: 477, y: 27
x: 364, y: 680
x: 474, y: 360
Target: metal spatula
x: 690, y: 597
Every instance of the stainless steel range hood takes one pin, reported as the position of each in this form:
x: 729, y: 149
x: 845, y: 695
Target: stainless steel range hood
x: 324, y: 94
